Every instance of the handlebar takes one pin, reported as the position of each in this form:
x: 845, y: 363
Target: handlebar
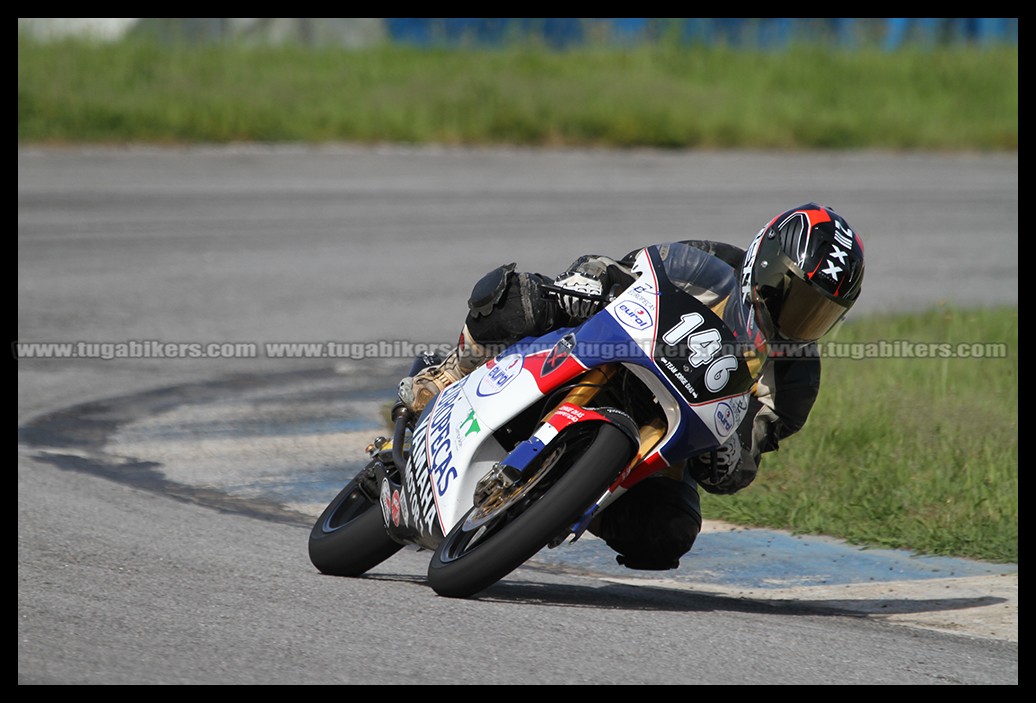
x: 402, y: 416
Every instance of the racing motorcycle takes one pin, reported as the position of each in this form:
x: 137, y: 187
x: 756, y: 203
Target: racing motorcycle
x: 523, y: 453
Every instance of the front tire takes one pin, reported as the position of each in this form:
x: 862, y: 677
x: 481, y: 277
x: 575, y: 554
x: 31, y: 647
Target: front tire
x: 349, y: 539
x: 472, y: 558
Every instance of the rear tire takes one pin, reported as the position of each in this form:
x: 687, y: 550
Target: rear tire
x: 350, y: 538
x: 470, y: 560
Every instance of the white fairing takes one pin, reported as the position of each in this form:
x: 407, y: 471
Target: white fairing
x: 458, y: 442
x: 636, y: 308
x: 723, y: 416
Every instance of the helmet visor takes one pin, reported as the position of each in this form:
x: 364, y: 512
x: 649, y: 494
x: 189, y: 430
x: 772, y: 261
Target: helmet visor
x: 806, y: 314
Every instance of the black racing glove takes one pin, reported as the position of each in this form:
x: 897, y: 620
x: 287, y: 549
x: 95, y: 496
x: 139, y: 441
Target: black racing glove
x: 576, y: 307
x: 725, y: 470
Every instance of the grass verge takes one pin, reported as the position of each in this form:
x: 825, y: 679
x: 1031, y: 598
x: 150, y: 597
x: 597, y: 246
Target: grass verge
x: 654, y: 96
x: 903, y: 450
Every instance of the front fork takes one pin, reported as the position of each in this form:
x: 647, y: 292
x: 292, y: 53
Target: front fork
x: 507, y: 478
x: 506, y: 473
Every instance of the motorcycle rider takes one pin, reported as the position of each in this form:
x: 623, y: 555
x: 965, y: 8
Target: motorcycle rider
x: 799, y: 276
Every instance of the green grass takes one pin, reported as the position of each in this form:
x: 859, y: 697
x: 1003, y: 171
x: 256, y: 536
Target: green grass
x: 918, y: 453
x: 657, y: 96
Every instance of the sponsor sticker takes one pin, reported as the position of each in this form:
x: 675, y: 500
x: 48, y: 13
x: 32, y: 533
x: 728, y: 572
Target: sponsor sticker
x: 471, y: 423
x: 440, y: 447
x: 644, y: 294
x: 633, y: 316
x: 728, y: 414
x: 395, y: 508
x: 724, y: 419
x: 561, y: 351
x: 503, y: 372
x: 386, y: 500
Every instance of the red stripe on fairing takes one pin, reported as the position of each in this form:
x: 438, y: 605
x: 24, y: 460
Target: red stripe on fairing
x: 652, y: 463
x: 569, y: 414
x: 569, y: 369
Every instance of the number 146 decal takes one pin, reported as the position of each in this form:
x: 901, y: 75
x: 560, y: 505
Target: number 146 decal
x: 703, y: 348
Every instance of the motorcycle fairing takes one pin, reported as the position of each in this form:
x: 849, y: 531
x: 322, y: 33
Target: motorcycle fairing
x: 453, y: 444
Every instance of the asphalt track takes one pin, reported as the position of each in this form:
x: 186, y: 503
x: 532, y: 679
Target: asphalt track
x: 378, y: 247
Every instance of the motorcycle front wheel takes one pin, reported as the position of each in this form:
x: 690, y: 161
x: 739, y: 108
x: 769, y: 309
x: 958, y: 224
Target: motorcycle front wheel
x: 350, y: 539
x: 478, y: 553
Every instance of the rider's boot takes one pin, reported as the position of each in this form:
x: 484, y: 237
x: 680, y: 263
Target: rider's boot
x: 415, y: 391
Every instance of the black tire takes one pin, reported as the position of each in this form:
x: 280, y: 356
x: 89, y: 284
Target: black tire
x: 459, y: 569
x: 349, y: 539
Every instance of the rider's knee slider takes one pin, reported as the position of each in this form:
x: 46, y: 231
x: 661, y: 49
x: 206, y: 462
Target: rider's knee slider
x: 490, y: 290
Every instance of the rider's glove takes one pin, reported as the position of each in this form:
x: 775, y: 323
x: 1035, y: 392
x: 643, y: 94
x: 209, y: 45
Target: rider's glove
x: 579, y: 308
x: 726, y: 470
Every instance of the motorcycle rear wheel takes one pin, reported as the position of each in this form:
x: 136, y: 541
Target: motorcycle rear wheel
x: 350, y: 539
x: 473, y: 557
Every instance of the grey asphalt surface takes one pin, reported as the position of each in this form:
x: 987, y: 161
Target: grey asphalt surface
x: 162, y: 579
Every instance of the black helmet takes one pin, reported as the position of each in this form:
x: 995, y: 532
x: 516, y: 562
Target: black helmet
x: 802, y: 273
